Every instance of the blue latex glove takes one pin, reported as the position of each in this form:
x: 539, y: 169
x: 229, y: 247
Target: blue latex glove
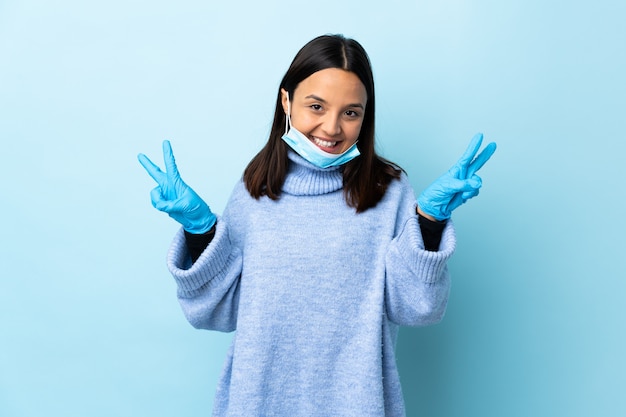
x: 457, y: 185
x: 175, y: 197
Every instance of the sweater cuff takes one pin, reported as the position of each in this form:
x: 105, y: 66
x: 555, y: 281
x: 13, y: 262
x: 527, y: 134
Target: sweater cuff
x: 208, y: 268
x: 425, y: 263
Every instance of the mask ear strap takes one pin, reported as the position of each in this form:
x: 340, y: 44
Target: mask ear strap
x: 288, y: 118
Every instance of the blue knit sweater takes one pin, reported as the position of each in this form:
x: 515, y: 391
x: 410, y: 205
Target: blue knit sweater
x: 315, y: 293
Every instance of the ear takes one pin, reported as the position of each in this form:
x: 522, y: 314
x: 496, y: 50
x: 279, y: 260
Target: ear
x: 284, y: 98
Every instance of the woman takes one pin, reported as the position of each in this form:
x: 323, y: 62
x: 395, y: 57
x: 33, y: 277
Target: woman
x: 321, y: 253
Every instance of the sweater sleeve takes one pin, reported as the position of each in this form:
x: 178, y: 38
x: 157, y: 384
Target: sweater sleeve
x: 208, y: 289
x: 417, y: 281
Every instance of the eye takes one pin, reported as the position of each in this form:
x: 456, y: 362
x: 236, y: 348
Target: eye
x: 352, y: 113
x: 316, y: 107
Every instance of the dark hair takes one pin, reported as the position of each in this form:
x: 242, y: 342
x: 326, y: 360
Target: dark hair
x: 365, y: 178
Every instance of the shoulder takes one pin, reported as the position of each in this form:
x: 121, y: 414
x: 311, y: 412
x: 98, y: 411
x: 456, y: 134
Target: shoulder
x: 240, y: 192
x: 401, y: 185
x: 239, y: 197
x: 399, y: 197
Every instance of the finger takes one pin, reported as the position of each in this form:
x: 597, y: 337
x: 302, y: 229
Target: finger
x: 159, y: 201
x: 481, y: 159
x: 456, y: 201
x: 470, y: 194
x: 154, y: 171
x: 470, y: 152
x: 462, y: 186
x: 461, y: 197
x: 170, y: 162
x: 156, y: 196
x: 165, y: 206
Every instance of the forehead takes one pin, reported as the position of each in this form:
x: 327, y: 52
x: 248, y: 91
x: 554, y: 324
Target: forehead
x: 333, y: 84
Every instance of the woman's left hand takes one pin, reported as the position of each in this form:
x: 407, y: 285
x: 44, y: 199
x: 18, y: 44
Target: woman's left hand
x: 457, y: 185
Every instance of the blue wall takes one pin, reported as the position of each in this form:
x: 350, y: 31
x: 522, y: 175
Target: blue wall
x: 89, y: 323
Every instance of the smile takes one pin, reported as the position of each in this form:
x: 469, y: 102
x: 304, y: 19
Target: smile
x: 323, y: 143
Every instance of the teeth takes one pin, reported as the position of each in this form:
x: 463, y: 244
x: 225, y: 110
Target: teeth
x: 323, y: 143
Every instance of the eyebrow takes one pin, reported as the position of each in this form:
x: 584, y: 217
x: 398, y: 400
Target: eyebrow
x: 314, y: 97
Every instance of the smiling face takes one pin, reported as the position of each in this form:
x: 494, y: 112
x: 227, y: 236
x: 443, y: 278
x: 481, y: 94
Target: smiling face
x: 328, y: 108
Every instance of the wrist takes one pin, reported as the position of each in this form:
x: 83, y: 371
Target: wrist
x: 419, y: 211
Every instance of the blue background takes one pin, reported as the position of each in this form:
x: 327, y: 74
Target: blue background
x: 89, y: 323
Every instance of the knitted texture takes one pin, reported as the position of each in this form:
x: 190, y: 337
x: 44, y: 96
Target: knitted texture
x: 316, y: 293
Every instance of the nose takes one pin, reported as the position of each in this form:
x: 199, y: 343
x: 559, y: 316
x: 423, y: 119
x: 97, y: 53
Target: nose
x: 331, y: 125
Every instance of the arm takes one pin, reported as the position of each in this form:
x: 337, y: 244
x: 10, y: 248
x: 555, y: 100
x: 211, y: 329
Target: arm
x: 208, y: 289
x: 417, y: 277
x: 417, y: 280
x: 207, y: 275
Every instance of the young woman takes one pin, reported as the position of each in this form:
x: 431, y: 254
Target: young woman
x: 322, y: 251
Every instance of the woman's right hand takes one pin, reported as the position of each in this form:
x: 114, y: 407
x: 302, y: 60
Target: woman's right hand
x: 176, y: 198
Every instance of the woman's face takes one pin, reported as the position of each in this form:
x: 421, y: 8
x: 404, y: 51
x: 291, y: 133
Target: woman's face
x: 328, y: 108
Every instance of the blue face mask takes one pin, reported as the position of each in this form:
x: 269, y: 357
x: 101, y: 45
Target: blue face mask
x: 307, y: 149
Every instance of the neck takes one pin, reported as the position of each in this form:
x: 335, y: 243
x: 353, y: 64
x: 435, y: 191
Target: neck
x: 304, y: 178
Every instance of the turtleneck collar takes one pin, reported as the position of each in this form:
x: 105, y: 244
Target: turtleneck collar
x: 305, y: 178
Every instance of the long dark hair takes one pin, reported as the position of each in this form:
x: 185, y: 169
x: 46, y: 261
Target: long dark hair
x: 365, y: 178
